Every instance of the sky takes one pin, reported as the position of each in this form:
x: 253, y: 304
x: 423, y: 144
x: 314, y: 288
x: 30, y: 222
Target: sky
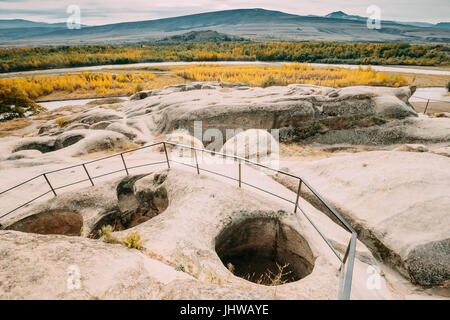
x: 98, y: 12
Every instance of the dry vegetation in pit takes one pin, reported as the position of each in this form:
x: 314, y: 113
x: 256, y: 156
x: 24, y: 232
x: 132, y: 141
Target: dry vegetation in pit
x: 297, y: 152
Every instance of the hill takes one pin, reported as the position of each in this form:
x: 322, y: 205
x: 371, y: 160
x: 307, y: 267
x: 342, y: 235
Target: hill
x: 343, y: 15
x: 199, y: 37
x: 258, y: 24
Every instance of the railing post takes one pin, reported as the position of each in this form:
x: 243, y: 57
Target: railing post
x: 298, y: 194
x: 124, y: 164
x: 46, y: 179
x: 240, y: 173
x: 196, y: 161
x: 426, y: 107
x: 349, y: 274
x: 90, y: 179
x: 167, y: 157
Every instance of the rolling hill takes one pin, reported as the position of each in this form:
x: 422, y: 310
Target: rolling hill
x: 255, y: 24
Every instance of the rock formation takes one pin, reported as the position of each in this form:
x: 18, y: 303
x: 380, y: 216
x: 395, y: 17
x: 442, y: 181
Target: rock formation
x: 397, y: 201
x: 191, y: 226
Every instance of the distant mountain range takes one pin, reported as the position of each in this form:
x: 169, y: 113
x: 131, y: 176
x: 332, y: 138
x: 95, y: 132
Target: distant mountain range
x: 254, y: 24
x: 343, y: 15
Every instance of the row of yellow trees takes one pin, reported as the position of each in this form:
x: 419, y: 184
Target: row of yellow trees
x: 303, y: 73
x: 324, y: 52
x: 105, y: 84
x: 100, y: 84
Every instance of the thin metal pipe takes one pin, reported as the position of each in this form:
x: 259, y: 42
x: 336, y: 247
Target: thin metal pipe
x: 124, y: 164
x: 298, y: 194
x: 20, y: 184
x: 431, y: 99
x: 349, y: 256
x: 234, y: 157
x: 196, y: 161
x: 349, y: 228
x: 53, y: 190
x: 240, y: 174
x: 167, y: 157
x: 341, y: 282
x: 426, y: 107
x: 107, y: 174
x: 347, y: 251
x: 71, y: 184
x: 350, y: 263
x: 90, y: 179
x: 28, y: 202
x: 145, y: 165
x: 323, y: 237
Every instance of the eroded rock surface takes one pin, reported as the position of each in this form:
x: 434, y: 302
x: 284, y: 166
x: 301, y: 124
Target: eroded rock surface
x: 397, y: 201
x: 186, y: 234
x: 298, y: 108
x: 303, y: 113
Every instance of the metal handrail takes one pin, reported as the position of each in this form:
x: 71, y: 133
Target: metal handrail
x: 428, y: 102
x: 347, y: 262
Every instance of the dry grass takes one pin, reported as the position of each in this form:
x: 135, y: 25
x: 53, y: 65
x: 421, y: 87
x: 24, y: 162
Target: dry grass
x: 93, y: 154
x: 309, y: 153
x: 105, y: 101
x: 270, y: 278
x: 433, y: 107
x: 91, y: 85
x: 14, y: 124
x: 62, y: 122
x: 8, y: 128
x: 293, y: 150
x: 421, y: 80
x: 51, y: 115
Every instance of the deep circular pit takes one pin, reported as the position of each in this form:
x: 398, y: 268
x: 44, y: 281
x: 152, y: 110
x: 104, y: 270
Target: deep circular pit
x: 265, y: 251
x: 51, y: 222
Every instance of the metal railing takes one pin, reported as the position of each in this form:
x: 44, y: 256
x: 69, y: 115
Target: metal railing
x: 428, y: 102
x: 346, y: 262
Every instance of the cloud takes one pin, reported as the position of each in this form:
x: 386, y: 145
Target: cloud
x: 95, y: 12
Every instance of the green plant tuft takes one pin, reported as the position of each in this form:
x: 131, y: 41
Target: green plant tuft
x: 105, y: 232
x: 132, y: 240
x: 180, y: 267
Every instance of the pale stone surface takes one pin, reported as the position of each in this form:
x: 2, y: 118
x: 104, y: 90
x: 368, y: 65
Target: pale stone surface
x: 181, y: 137
x: 397, y: 201
x: 227, y: 107
x: 354, y: 115
x: 252, y: 144
x: 184, y: 234
x: 181, y: 215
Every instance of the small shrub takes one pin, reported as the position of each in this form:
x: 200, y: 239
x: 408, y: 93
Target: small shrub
x: 16, y: 103
x: 138, y: 88
x: 230, y: 267
x: 269, y: 278
x: 61, y: 122
x: 180, y: 267
x: 378, y: 120
x: 132, y: 240
x: 105, y: 232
